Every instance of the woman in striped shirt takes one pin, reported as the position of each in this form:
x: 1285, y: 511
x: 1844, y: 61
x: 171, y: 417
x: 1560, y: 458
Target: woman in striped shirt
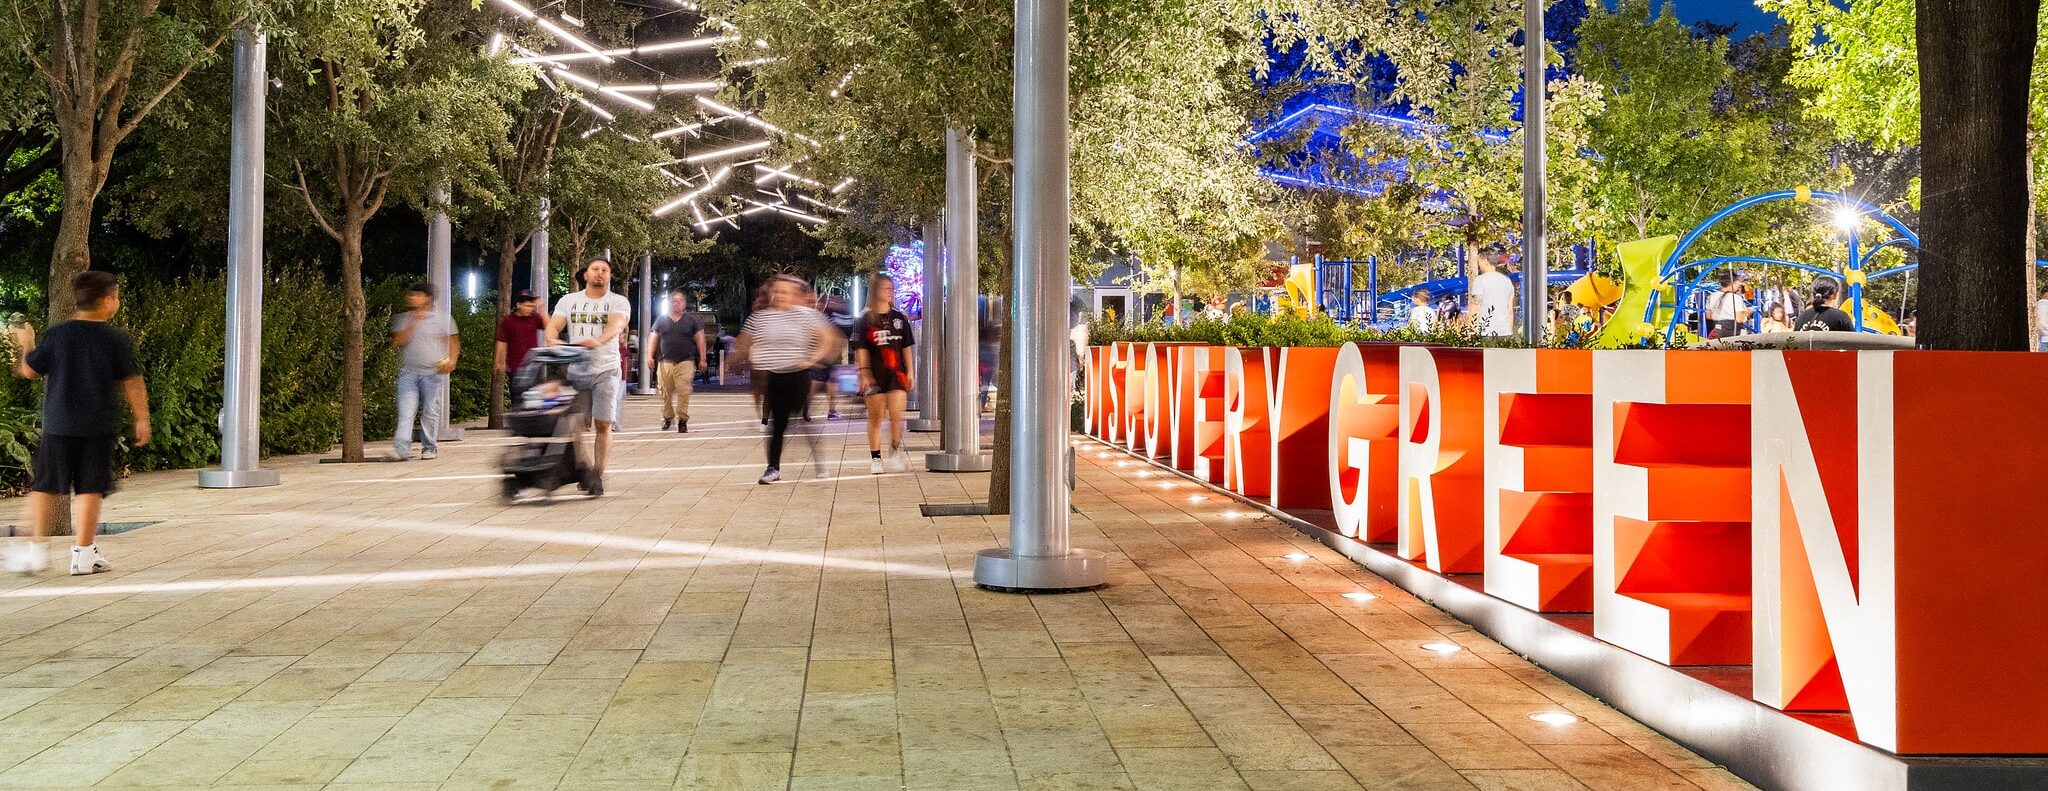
x: 781, y: 344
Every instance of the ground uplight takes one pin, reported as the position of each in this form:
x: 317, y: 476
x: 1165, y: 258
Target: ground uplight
x: 1557, y: 718
x: 1442, y: 649
x: 1360, y: 596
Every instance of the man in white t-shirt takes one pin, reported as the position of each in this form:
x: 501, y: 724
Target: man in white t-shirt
x: 593, y: 319
x: 1493, y: 295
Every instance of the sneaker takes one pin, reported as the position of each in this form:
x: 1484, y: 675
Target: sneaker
x: 874, y: 466
x: 771, y: 476
x: 818, y: 471
x: 531, y: 494
x: 832, y: 416
x: 395, y: 457
x: 666, y: 423
x: 428, y: 455
x: 88, y: 560
x: 682, y: 427
x: 27, y: 557
x: 896, y: 463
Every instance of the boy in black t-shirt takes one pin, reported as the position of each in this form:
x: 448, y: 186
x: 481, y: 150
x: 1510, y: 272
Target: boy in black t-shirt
x: 882, y: 343
x: 83, y: 361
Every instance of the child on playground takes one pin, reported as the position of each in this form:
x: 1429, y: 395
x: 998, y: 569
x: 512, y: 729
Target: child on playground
x: 84, y: 362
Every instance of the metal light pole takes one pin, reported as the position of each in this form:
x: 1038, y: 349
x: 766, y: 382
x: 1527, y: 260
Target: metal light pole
x: 960, y: 371
x: 931, y: 334
x: 1535, y: 271
x: 440, y: 242
x: 241, y: 408
x: 538, y: 252
x: 646, y: 312
x: 1039, y: 556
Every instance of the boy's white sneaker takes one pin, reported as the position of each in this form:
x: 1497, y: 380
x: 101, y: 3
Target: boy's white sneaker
x: 874, y: 466
x: 88, y: 560
x: 896, y: 462
x: 27, y: 557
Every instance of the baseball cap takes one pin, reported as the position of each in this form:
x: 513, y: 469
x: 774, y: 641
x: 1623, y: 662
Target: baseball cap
x: 524, y: 295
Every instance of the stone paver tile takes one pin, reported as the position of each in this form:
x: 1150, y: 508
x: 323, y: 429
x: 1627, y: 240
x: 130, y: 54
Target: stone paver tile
x: 1411, y: 767
x: 631, y: 756
x: 1270, y: 780
x: 1171, y: 769
x: 488, y: 681
x: 416, y: 667
x: 519, y: 651
x: 1613, y: 767
x: 1254, y: 731
x: 375, y: 699
x: 957, y: 770
x: 1077, y: 781
x: 1523, y: 780
x: 1192, y: 672
x: 736, y: 771
x: 610, y: 664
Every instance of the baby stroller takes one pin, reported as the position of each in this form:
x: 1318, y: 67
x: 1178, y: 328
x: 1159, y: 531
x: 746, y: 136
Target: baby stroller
x: 550, y: 414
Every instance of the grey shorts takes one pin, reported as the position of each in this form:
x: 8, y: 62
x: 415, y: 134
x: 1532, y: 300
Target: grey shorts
x: 604, y: 395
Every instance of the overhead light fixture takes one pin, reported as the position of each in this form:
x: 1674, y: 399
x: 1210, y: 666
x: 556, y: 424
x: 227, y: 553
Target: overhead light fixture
x: 728, y: 219
x: 555, y: 30
x: 497, y: 44
x: 769, y: 173
x: 571, y: 20
x: 691, y: 196
x: 588, y: 105
x: 600, y: 88
x: 670, y: 87
x: 748, y: 64
x: 841, y: 186
x: 643, y: 49
x: 722, y: 153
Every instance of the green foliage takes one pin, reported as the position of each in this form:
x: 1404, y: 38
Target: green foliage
x: 1247, y: 329
x: 18, y: 434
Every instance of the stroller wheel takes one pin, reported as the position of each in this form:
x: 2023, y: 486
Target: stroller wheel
x: 510, y: 490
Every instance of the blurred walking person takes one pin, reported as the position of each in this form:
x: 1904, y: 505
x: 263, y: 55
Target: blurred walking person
x: 519, y: 332
x: 883, y: 344
x: 594, y: 319
x: 678, y: 339
x: 427, y: 344
x: 84, y: 363
x: 782, y: 343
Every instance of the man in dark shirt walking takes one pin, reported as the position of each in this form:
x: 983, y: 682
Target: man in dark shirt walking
x: 84, y: 362
x: 677, y: 346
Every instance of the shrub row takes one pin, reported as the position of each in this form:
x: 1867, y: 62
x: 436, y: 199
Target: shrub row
x: 179, y: 329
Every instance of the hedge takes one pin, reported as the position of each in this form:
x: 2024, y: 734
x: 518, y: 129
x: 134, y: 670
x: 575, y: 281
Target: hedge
x: 179, y: 329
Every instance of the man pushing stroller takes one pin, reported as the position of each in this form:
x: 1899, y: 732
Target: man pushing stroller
x: 593, y: 319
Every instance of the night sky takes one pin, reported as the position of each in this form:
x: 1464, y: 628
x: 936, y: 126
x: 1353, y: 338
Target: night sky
x: 1741, y: 12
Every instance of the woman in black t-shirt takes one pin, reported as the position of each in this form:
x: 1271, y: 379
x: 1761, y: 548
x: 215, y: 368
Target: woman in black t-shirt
x: 882, y: 342
x: 1821, y: 315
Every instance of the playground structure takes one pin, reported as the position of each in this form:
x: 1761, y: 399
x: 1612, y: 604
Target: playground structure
x: 1683, y: 280
x: 1337, y: 294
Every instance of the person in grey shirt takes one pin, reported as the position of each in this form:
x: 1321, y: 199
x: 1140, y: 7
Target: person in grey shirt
x: 427, y: 345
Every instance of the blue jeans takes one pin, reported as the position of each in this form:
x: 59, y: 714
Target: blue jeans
x: 419, y: 393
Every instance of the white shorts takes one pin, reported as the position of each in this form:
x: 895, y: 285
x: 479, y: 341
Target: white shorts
x: 604, y: 395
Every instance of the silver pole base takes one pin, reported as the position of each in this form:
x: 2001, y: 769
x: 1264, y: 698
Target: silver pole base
x: 1079, y: 569
x: 639, y: 390
x: 922, y: 425
x: 959, y: 462
x: 217, y: 478
x: 450, y: 434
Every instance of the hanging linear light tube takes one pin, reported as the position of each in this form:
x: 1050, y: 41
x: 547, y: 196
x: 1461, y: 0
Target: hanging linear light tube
x: 773, y: 172
x: 693, y: 195
x: 555, y: 30
x: 745, y: 148
x: 670, y: 87
x: 726, y: 218
x: 841, y: 186
x: 680, y: 130
x: 748, y: 64
x: 782, y: 208
x: 749, y: 118
x: 587, y: 104
x: 644, y: 49
x: 600, y: 88
x: 820, y: 204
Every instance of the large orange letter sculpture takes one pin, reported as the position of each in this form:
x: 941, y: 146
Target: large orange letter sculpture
x: 1442, y: 519
x: 1539, y: 478
x: 1876, y: 508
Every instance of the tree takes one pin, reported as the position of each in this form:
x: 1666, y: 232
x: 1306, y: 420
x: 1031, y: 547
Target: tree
x: 396, y: 99
x: 1457, y: 67
x: 106, y: 68
x: 604, y: 193
x: 518, y: 182
x: 1975, y: 60
x: 881, y: 82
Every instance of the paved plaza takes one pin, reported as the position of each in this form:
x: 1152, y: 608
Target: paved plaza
x: 395, y: 626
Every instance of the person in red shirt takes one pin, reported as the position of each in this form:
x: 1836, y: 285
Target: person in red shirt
x: 519, y: 332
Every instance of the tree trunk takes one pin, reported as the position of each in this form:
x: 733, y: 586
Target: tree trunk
x: 999, y: 466
x: 1975, y: 60
x: 508, y: 252
x: 353, y: 313
x: 72, y: 253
